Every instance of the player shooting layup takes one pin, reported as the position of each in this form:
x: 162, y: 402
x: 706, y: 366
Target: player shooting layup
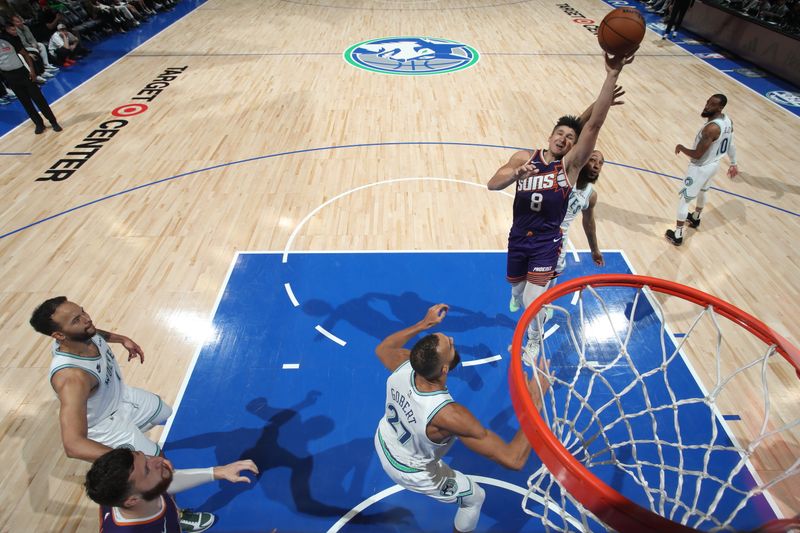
x: 544, y: 181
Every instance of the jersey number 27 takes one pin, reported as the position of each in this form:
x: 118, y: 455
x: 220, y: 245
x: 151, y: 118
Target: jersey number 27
x: 394, y: 420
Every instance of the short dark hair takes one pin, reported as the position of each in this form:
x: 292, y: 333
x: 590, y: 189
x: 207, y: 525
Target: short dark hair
x: 108, y: 480
x: 425, y: 359
x: 723, y: 100
x: 42, y: 317
x: 571, y: 121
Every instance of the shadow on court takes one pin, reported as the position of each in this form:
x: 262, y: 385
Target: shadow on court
x: 281, y: 445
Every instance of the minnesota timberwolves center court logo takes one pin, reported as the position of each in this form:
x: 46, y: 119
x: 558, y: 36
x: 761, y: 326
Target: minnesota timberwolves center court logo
x: 411, y: 56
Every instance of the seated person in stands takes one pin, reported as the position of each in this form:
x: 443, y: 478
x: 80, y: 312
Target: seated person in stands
x: 65, y: 48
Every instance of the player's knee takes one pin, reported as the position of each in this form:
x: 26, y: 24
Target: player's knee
x: 163, y: 414
x: 166, y: 412
x: 469, y: 509
x: 476, y: 498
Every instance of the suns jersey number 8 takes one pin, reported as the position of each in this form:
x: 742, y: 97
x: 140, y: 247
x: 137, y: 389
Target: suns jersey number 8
x: 536, y: 201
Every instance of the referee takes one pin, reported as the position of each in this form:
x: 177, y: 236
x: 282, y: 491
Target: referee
x: 21, y: 79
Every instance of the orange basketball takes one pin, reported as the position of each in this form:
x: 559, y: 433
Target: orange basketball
x: 621, y: 31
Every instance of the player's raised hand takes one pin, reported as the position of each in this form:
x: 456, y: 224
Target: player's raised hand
x: 614, y: 64
x: 134, y: 350
x: 619, y: 92
x: 435, y: 315
x: 233, y: 472
x: 525, y: 171
x: 733, y: 171
x: 679, y: 148
x: 597, y: 257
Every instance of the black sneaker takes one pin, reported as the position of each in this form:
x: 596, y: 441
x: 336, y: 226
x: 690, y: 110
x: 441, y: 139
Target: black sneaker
x: 693, y: 222
x: 39, y: 129
x: 670, y: 235
x: 194, y: 522
x: 56, y: 127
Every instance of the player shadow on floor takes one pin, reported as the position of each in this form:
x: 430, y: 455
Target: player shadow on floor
x: 365, y: 313
x: 634, y: 220
x: 284, y: 443
x: 775, y: 186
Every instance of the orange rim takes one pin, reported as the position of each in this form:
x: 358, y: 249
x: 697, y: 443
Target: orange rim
x: 608, y: 505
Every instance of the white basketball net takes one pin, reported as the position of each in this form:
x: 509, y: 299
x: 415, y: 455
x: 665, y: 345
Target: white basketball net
x: 616, y: 416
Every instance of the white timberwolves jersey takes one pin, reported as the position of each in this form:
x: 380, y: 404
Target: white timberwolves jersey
x: 578, y: 201
x: 105, y: 400
x: 719, y: 147
x: 401, y: 432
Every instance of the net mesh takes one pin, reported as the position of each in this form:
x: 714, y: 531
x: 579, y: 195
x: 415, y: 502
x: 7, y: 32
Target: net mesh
x: 632, y: 412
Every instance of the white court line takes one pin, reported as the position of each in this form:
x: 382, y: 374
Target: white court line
x: 291, y: 366
x: 555, y: 509
x: 367, y: 186
x: 719, y: 416
x: 550, y: 331
x: 575, y: 256
x: 482, y: 361
x: 190, y: 370
x: 575, y: 297
x: 330, y: 335
x: 288, y: 288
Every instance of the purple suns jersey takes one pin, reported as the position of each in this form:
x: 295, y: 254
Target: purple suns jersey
x: 166, y: 521
x: 541, y: 200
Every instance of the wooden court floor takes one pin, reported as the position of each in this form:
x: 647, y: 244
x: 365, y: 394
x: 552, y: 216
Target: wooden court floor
x: 267, y: 77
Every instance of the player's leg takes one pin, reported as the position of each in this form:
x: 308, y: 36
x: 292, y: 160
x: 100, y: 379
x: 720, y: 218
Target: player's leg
x: 691, y: 187
x: 542, y: 262
x: 146, y: 409
x: 516, y: 274
x: 439, y: 482
x: 469, y: 508
x: 120, y: 431
x: 694, y: 218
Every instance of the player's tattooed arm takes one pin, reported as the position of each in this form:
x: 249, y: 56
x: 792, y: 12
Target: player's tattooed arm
x: 134, y: 350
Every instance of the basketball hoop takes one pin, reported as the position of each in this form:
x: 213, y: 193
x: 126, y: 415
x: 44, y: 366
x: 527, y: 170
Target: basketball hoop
x: 585, y: 431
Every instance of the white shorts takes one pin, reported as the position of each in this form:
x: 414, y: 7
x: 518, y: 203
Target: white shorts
x: 139, y: 410
x: 437, y: 480
x: 698, y: 179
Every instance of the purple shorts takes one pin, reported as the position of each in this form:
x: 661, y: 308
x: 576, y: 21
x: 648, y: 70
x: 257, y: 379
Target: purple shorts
x: 533, y: 258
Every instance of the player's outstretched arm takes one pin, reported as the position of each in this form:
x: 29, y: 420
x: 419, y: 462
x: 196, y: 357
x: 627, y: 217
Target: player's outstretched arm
x: 391, y: 352
x: 458, y: 420
x: 710, y: 133
x: 189, y: 478
x: 589, y: 228
x: 517, y: 168
x: 580, y: 153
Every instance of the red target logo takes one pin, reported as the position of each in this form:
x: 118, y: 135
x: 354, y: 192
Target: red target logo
x: 129, y: 110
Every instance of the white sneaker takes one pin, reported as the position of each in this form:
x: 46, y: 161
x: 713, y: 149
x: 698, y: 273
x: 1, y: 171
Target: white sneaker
x: 47, y: 75
x: 531, y: 349
x: 515, y: 304
x: 40, y: 80
x: 52, y: 68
